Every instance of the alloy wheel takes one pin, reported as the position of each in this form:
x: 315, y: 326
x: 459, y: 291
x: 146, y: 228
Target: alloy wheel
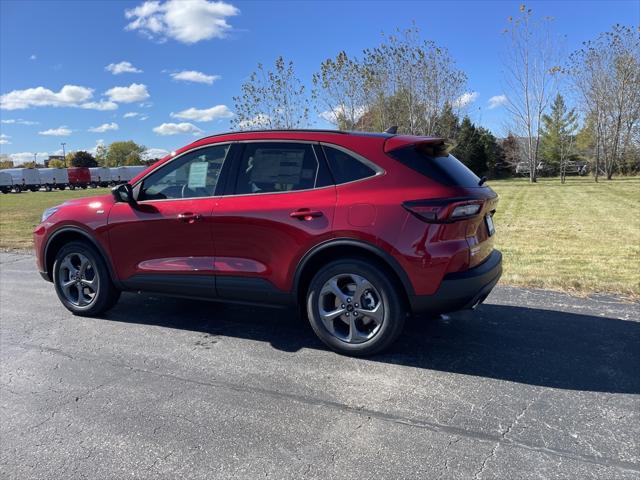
x: 78, y: 279
x: 351, y: 308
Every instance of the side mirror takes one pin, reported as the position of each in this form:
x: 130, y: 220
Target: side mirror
x: 124, y: 194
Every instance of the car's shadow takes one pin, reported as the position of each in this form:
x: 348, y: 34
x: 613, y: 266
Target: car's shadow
x: 526, y: 345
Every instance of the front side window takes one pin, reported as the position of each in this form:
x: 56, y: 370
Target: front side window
x: 271, y: 167
x: 193, y: 175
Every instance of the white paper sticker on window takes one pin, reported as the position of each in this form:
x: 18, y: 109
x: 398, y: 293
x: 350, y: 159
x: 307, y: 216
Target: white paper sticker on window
x: 198, y: 174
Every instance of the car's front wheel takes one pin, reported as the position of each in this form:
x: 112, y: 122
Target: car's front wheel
x: 82, y: 280
x: 354, y: 308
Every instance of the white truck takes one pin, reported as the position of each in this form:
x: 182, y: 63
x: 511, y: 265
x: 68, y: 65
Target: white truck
x: 24, y: 178
x: 124, y: 174
x: 100, y: 177
x: 6, y: 182
x: 52, y: 178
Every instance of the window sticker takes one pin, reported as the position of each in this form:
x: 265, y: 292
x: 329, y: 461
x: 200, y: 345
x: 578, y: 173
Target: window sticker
x: 198, y: 175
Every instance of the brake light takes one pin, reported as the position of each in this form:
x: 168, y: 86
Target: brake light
x: 442, y: 210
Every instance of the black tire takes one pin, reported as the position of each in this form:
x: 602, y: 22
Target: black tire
x: 106, y: 295
x: 394, y: 308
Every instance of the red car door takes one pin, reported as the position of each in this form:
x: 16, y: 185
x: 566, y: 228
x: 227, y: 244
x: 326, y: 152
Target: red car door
x: 164, y: 242
x: 281, y: 202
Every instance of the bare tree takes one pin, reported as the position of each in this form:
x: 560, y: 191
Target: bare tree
x: 405, y: 81
x: 271, y: 99
x: 530, y: 77
x: 606, y: 72
x: 339, y: 87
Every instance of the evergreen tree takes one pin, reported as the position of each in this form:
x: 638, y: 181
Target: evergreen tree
x: 558, y: 130
x: 470, y: 149
x: 447, y: 124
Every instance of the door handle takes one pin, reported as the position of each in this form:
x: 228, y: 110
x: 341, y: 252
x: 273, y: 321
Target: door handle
x: 305, y: 214
x: 189, y: 217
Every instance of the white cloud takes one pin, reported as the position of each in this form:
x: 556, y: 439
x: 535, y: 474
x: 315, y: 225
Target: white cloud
x: 122, y: 67
x: 130, y: 115
x: 261, y: 120
x: 144, y: 117
x: 33, y: 57
x: 177, y: 128
x: 57, y: 132
x: 23, y: 157
x: 4, y: 139
x: 18, y: 121
x: 150, y: 153
x: 187, y: 22
x: 101, y: 105
x: 465, y: 99
x: 194, y: 76
x: 204, y: 115
x: 497, y: 101
x: 104, y: 127
x: 133, y: 93
x: 68, y: 96
x: 332, y: 116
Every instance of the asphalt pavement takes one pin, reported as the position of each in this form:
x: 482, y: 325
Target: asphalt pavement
x: 532, y: 384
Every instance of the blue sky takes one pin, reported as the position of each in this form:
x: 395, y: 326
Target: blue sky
x: 186, y: 61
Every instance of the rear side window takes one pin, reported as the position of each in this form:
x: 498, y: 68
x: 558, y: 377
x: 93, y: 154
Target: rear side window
x: 441, y: 167
x: 276, y: 167
x: 344, y: 167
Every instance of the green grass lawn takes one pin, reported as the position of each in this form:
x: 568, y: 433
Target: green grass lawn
x: 581, y: 236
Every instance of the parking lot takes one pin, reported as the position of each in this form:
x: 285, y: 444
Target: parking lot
x: 533, y: 384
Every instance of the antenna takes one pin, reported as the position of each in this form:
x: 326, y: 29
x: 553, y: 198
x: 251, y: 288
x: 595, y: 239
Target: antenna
x: 392, y: 130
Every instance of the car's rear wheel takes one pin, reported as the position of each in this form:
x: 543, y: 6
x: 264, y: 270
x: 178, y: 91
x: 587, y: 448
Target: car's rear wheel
x: 82, y: 280
x: 354, y: 308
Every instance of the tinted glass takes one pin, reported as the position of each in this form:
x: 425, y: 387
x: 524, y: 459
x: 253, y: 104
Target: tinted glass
x: 193, y: 175
x: 445, y: 169
x: 344, y: 167
x: 276, y: 167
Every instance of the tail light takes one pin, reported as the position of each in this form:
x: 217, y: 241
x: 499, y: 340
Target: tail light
x: 444, y: 210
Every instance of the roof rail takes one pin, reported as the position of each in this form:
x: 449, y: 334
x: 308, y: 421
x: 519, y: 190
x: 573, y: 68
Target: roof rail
x: 267, y: 130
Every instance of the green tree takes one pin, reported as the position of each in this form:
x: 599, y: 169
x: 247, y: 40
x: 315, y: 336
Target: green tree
x: 271, y: 99
x: 496, y: 166
x: 101, y: 154
x: 124, y: 153
x: 557, y: 141
x: 447, y: 124
x: 470, y: 149
x: 6, y: 163
x: 56, y: 163
x: 83, y: 159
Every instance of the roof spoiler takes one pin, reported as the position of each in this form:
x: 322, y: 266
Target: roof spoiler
x: 400, y: 141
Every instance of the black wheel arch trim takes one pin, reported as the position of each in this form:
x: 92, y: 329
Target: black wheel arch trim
x: 71, y: 229
x: 351, y: 242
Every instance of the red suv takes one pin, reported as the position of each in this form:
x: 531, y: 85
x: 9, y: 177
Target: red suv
x: 356, y: 229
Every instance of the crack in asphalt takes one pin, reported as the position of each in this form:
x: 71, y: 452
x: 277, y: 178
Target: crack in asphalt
x: 496, y: 439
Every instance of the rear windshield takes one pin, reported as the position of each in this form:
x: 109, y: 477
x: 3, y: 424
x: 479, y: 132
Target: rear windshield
x: 436, y: 164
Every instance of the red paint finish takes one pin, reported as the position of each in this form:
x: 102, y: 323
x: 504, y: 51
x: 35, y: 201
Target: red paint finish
x: 143, y: 238
x: 266, y: 235
x: 259, y: 230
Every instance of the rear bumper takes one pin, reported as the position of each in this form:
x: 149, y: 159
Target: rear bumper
x: 461, y: 290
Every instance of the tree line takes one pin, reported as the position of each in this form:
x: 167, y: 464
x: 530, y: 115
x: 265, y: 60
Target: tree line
x: 414, y: 84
